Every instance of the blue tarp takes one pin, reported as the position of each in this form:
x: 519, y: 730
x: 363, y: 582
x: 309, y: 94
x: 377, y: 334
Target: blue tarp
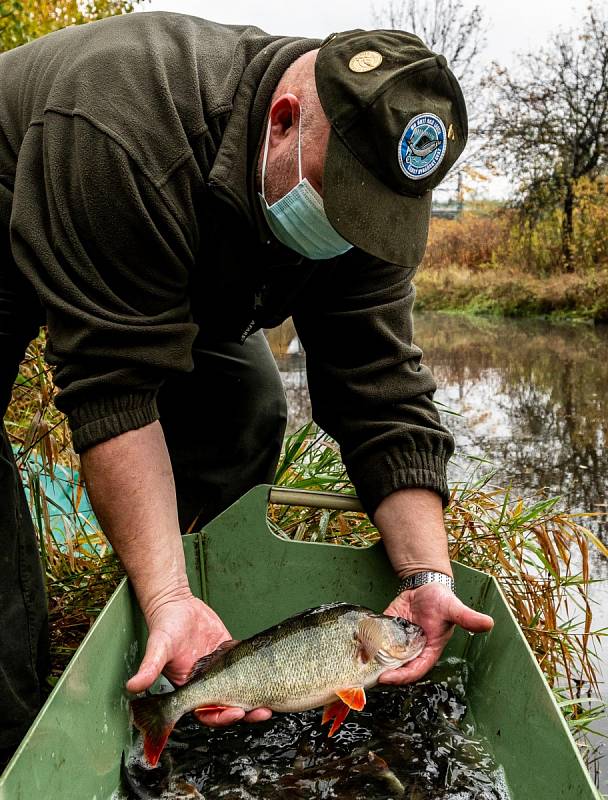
x: 67, y: 512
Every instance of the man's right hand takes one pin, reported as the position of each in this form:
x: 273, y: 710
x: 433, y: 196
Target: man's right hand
x: 180, y: 632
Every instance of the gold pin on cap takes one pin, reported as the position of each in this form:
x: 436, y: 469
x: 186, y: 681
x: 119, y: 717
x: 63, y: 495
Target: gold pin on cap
x: 365, y: 61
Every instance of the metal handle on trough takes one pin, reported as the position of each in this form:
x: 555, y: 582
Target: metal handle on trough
x: 279, y: 495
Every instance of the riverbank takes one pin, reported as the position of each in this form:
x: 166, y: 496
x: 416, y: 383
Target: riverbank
x: 511, y: 292
x: 500, y: 261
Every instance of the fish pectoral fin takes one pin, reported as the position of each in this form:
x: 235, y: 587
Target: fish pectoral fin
x: 353, y: 698
x: 370, y: 638
x: 336, y: 711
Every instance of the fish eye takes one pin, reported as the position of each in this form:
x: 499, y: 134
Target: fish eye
x: 405, y: 624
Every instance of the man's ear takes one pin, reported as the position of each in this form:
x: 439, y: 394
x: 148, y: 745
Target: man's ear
x: 284, y: 114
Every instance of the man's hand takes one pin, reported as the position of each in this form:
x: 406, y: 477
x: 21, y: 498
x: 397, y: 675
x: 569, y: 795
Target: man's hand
x: 180, y: 632
x: 130, y: 485
x: 436, y: 609
x: 411, y: 524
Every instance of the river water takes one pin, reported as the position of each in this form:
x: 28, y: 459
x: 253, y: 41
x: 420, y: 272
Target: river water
x: 529, y: 396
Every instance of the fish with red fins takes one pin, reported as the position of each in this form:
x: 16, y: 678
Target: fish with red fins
x: 326, y: 656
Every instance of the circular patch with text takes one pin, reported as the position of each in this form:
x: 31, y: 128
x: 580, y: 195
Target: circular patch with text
x: 422, y: 146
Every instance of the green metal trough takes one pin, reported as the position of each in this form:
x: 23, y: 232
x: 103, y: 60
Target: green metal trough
x: 253, y: 579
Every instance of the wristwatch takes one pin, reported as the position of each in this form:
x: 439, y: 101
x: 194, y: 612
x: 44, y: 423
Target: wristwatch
x: 422, y: 578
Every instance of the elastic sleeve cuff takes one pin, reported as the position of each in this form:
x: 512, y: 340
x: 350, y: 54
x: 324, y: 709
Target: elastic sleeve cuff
x: 97, y: 421
x: 382, y: 474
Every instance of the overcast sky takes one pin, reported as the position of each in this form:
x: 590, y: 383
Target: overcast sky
x: 513, y: 26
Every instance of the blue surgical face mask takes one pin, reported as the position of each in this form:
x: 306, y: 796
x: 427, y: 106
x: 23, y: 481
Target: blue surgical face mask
x: 298, y: 219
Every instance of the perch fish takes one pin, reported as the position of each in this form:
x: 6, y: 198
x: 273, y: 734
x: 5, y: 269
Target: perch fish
x: 327, y: 656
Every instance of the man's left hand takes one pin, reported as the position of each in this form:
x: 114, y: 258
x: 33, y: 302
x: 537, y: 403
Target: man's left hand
x: 437, y: 610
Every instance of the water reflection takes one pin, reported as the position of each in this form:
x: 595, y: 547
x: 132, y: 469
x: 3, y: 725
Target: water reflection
x: 531, y: 399
x: 293, y: 374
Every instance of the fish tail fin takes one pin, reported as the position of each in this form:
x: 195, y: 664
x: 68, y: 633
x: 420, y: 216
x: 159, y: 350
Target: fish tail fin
x: 150, y: 717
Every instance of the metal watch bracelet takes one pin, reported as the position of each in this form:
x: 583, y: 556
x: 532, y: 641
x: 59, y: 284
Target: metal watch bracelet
x: 422, y: 578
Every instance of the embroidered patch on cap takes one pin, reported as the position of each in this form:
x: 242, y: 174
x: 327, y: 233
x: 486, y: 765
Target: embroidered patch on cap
x: 422, y: 146
x: 365, y: 61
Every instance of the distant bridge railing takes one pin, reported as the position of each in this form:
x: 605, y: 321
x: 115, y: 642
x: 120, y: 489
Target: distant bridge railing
x: 446, y: 211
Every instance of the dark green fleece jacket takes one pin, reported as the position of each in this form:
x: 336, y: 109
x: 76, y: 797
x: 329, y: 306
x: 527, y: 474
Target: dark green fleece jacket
x: 127, y: 170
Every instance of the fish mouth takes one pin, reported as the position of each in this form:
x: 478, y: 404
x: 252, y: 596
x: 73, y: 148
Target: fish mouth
x: 411, y: 642
x: 393, y: 659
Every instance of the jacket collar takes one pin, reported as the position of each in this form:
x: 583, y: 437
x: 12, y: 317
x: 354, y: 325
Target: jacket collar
x: 234, y: 169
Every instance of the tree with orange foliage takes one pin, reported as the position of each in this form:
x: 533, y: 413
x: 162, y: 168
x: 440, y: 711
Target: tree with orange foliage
x: 24, y: 20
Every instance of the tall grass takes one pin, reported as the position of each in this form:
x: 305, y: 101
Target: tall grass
x: 514, y: 292
x: 80, y: 569
x: 492, y: 235
x: 476, y: 241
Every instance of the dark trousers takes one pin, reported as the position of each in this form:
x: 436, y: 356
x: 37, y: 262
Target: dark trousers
x: 23, y: 615
x: 224, y: 424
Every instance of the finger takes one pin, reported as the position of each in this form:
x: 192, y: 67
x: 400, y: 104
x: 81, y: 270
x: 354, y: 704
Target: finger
x: 258, y: 715
x: 398, y: 608
x: 155, y: 658
x: 217, y: 719
x: 398, y: 677
x: 467, y: 618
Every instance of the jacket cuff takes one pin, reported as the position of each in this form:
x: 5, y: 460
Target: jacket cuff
x: 381, y: 474
x: 97, y: 421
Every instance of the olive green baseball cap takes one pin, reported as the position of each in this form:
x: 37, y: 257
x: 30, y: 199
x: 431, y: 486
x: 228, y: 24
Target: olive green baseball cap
x: 398, y: 123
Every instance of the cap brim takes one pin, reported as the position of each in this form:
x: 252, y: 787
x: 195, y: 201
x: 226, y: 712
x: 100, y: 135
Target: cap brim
x: 368, y: 214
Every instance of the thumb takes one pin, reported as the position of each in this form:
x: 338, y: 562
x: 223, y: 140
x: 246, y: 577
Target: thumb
x: 467, y: 618
x: 155, y: 658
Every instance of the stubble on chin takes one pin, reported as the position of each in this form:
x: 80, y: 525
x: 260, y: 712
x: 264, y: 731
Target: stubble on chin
x: 281, y: 176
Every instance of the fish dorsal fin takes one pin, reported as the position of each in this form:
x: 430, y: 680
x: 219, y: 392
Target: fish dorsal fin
x: 370, y: 636
x: 204, y: 663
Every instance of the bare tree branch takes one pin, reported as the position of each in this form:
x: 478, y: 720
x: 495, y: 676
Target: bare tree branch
x: 445, y: 26
x: 549, y: 120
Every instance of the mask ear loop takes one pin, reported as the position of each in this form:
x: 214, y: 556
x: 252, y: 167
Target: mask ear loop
x: 265, y: 156
x: 300, y: 145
